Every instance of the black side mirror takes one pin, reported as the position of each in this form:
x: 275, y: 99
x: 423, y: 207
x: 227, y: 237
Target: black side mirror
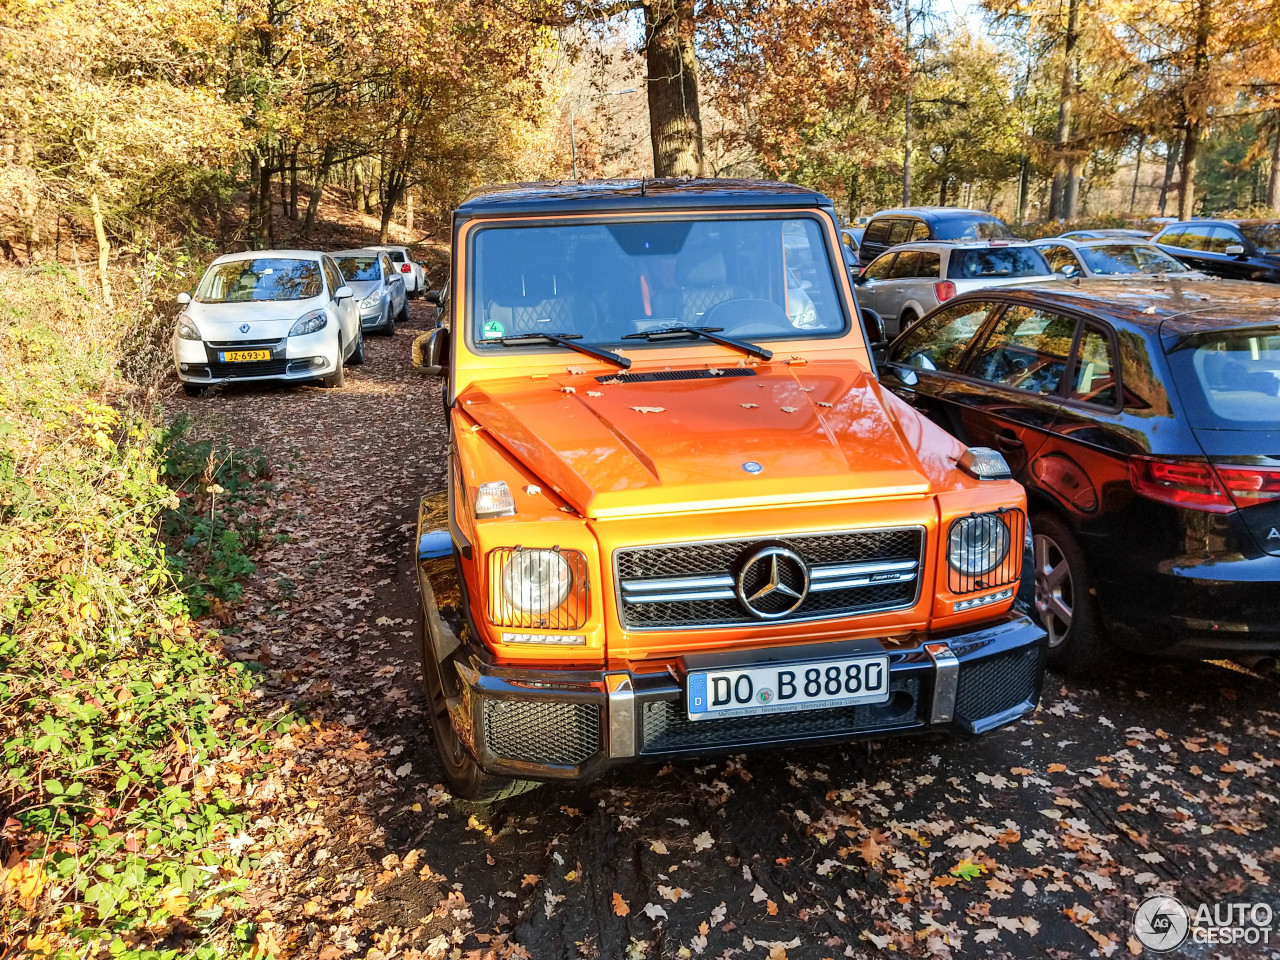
x: 874, y: 325
x: 436, y: 297
x: 431, y: 352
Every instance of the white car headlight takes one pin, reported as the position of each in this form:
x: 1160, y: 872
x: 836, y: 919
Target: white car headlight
x: 186, y: 329
x: 309, y: 323
x: 977, y: 544
x: 371, y: 300
x: 536, y: 581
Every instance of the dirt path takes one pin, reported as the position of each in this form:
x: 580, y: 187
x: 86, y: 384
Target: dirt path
x: 1037, y: 841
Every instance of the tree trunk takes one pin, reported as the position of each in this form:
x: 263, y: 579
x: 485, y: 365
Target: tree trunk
x: 104, y: 250
x: 317, y: 189
x: 359, y: 195
x: 1187, y: 185
x: 395, y: 190
x: 266, y: 231
x: 1058, y: 195
x: 675, y: 122
x: 1071, y: 195
x: 1173, y: 149
x: 1273, y: 187
x: 293, y: 185
x: 1137, y: 172
x: 906, y: 147
x: 942, y: 192
x: 255, y: 177
x: 408, y: 211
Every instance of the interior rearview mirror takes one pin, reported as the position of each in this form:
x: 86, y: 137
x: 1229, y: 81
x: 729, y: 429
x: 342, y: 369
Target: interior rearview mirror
x: 343, y: 293
x: 431, y: 352
x: 184, y: 299
x: 1235, y: 250
x: 1067, y: 270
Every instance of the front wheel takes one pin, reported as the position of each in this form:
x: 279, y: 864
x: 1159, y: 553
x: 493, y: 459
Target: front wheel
x: 1066, y: 603
x: 339, y: 376
x: 357, y: 355
x: 404, y: 312
x: 465, y: 777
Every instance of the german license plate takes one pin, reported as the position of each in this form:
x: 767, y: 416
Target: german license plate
x: 787, y: 688
x: 236, y: 356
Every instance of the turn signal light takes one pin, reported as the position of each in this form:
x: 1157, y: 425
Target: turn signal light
x: 1201, y: 485
x: 944, y: 290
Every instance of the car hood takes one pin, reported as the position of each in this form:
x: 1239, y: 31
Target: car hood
x: 362, y: 288
x: 266, y: 319
x: 818, y: 432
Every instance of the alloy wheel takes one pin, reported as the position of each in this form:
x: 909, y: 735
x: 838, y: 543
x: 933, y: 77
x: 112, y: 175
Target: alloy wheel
x: 1055, y: 589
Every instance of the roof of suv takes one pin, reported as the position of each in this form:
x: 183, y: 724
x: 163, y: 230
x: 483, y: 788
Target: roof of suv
x: 602, y: 196
x: 1216, y: 221
x: 1188, y: 306
x: 934, y: 213
x: 997, y: 242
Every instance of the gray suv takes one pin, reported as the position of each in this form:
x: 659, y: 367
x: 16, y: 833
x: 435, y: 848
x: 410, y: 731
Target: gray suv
x: 910, y: 280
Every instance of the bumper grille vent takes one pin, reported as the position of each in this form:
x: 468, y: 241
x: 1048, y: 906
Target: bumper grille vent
x: 542, y: 731
x: 996, y: 684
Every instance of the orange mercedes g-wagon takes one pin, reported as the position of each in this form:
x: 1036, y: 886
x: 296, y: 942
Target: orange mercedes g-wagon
x: 682, y: 516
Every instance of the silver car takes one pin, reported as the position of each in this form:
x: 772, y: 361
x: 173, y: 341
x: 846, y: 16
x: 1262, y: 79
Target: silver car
x: 378, y: 287
x: 909, y: 280
x: 415, y: 277
x: 1112, y: 257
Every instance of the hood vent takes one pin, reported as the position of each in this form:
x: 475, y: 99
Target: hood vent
x: 675, y: 375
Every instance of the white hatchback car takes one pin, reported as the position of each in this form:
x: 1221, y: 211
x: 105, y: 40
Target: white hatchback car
x: 268, y: 315
x: 415, y: 278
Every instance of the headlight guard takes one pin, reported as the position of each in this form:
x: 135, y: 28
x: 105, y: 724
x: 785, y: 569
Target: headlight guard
x: 542, y: 588
x: 984, y: 550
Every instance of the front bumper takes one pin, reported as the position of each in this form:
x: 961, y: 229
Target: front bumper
x: 292, y: 358
x: 555, y: 724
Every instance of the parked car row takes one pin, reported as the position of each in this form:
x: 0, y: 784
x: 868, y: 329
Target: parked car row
x: 290, y: 314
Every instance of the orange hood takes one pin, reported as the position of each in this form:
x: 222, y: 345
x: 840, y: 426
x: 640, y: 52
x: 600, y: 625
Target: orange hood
x: 819, y: 432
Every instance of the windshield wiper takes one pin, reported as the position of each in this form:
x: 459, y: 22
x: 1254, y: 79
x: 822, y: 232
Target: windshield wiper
x: 707, y: 333
x: 562, y: 340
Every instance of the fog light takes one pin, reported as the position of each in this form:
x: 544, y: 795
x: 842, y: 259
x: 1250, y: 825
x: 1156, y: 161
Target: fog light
x: 971, y: 602
x: 576, y: 639
x: 317, y: 361
x: 184, y: 367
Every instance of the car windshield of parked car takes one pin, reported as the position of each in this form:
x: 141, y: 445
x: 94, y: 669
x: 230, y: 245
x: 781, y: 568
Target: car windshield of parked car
x: 757, y: 278
x: 1115, y: 258
x: 267, y: 278
x: 1264, y: 236
x: 960, y: 229
x: 997, y: 263
x: 1230, y: 379
x: 359, y: 268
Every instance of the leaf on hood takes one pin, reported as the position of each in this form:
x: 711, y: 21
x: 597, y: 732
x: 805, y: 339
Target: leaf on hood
x: 789, y: 409
x: 748, y: 406
x: 823, y: 403
x: 649, y: 409
x: 568, y: 390
x: 594, y: 393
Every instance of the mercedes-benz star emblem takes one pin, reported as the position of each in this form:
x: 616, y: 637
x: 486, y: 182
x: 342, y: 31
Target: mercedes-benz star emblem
x: 244, y: 328
x: 752, y: 467
x: 772, y: 582
x: 1161, y: 923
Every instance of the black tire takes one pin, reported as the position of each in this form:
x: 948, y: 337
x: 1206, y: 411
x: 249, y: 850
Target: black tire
x: 467, y: 781
x: 339, y: 376
x: 388, y: 325
x: 194, y: 389
x: 1066, y: 603
x: 357, y: 355
x: 907, y: 319
x: 404, y: 313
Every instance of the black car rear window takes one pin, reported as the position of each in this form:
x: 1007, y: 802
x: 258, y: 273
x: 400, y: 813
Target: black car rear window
x: 1230, y: 379
x: 877, y: 232
x: 975, y: 229
x: 996, y: 263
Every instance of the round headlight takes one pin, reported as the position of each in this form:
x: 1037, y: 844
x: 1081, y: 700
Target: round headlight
x: 537, y: 581
x: 977, y: 544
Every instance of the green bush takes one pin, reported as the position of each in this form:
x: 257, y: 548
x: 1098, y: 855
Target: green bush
x: 117, y: 713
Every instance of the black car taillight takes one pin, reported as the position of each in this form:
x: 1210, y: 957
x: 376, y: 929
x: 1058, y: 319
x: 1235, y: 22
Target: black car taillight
x: 1201, y: 485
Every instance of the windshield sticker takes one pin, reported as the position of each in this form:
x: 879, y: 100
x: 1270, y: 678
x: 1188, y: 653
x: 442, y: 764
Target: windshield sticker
x: 492, y: 329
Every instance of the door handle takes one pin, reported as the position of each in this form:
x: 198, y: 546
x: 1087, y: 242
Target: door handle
x: 1008, y: 440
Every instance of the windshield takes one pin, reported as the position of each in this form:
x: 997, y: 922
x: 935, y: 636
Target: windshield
x: 359, y: 268
x: 757, y: 278
x: 996, y: 263
x: 1115, y: 258
x: 1231, y: 379
x: 1264, y: 236
x: 267, y: 278
x: 959, y: 229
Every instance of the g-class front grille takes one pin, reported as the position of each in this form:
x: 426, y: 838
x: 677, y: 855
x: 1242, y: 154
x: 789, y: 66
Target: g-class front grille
x: 727, y: 582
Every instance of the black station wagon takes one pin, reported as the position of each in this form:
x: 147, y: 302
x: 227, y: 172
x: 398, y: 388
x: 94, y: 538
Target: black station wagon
x: 1143, y: 417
